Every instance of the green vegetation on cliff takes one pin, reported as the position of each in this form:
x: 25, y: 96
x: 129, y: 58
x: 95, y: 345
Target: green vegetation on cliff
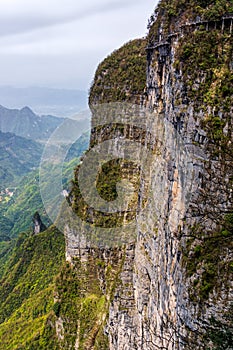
x: 121, y: 76
x: 109, y: 175
x: 170, y: 15
x: 207, y: 54
x: 83, y: 292
x: 207, y: 252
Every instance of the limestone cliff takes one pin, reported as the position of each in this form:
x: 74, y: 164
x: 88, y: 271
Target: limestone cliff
x: 174, y: 285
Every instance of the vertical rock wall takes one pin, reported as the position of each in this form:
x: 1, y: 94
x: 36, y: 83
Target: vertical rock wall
x: 173, y: 306
x: 175, y: 286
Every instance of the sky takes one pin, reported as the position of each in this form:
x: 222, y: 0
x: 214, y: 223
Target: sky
x: 59, y: 43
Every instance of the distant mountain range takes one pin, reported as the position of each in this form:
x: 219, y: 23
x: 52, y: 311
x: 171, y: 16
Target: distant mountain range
x: 26, y: 123
x: 60, y: 102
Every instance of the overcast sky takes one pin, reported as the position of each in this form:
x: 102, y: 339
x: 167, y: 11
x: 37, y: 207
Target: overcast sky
x: 59, y: 43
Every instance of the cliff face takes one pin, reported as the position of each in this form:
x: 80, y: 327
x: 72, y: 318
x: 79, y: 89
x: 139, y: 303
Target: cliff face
x: 175, y: 287
x: 182, y: 276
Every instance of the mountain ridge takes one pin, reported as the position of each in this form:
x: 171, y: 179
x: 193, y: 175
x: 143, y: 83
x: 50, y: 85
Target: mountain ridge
x: 55, y: 101
x: 25, y: 123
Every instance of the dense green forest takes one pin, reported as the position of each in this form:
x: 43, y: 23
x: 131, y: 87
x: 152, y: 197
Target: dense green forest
x: 29, y: 266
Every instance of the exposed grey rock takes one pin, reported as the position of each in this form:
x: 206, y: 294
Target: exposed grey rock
x: 38, y: 225
x: 152, y: 308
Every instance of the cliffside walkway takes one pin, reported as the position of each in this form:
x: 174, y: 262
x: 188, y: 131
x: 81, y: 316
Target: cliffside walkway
x: 224, y: 24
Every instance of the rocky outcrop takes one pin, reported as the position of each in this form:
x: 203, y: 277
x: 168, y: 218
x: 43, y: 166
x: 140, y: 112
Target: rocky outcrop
x: 38, y: 225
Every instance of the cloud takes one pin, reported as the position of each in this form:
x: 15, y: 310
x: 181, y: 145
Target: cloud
x: 20, y: 16
x: 60, y: 43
